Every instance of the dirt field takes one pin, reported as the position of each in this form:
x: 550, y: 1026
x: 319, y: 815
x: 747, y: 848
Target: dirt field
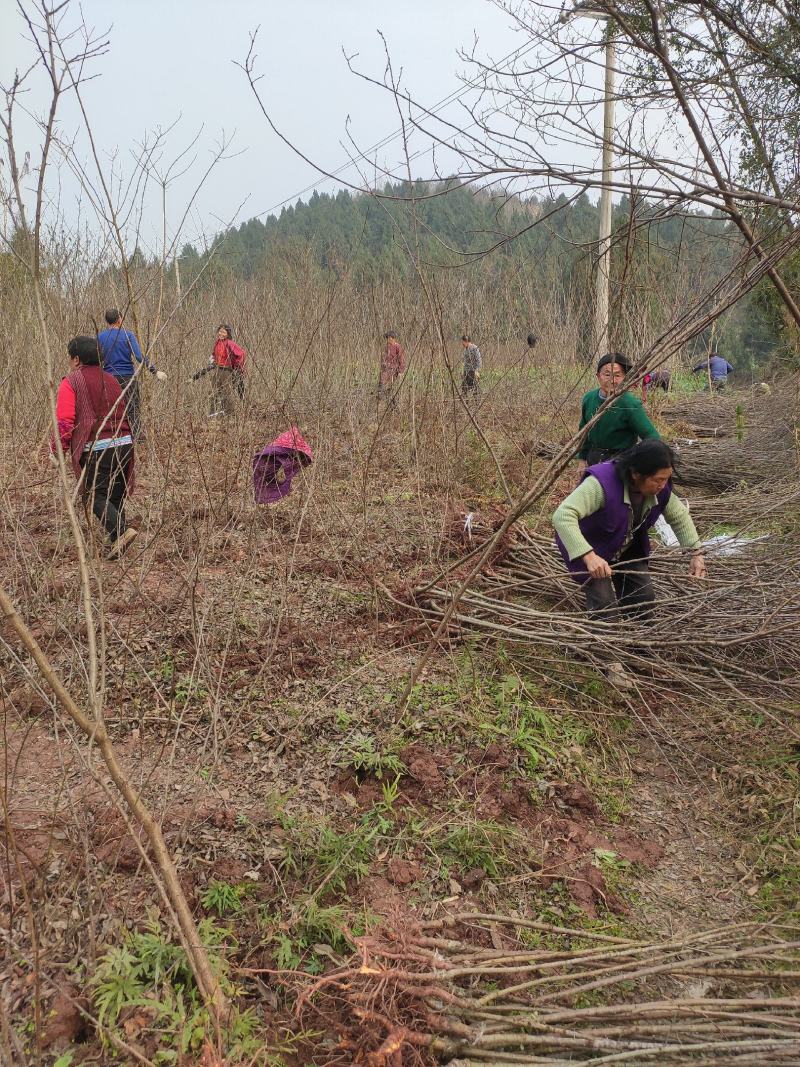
x: 251, y: 665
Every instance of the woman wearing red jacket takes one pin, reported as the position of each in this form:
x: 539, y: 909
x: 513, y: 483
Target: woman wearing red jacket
x: 94, y: 434
x: 228, y: 361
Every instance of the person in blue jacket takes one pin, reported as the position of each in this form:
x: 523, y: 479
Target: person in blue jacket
x: 716, y: 368
x: 119, y: 348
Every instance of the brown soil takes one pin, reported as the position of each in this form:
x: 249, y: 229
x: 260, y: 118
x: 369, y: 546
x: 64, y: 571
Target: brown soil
x: 244, y: 648
x: 695, y: 886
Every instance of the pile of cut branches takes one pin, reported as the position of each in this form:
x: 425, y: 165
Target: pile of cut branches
x: 708, y: 414
x: 763, y: 457
x: 491, y: 989
x: 745, y: 508
x: 757, y: 442
x: 733, y: 635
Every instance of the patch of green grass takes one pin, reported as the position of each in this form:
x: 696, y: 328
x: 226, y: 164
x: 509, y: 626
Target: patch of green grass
x: 312, y: 934
x: 382, y: 814
x: 363, y: 754
x: 508, y: 710
x: 344, y: 719
x: 223, y: 898
x: 151, y: 974
x: 614, y: 806
x: 778, y: 873
x: 476, y: 844
x: 684, y: 383
x: 318, y: 853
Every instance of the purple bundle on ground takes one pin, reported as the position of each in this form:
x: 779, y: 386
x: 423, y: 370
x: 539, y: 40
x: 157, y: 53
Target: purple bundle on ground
x: 275, y: 466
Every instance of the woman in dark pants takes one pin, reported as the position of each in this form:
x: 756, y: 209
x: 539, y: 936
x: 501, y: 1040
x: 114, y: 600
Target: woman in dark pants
x: 602, y: 529
x: 94, y: 432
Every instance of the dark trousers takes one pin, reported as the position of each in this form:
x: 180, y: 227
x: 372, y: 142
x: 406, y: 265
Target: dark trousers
x: 227, y: 385
x: 469, y: 383
x: 630, y: 590
x: 105, y: 487
x: 130, y: 386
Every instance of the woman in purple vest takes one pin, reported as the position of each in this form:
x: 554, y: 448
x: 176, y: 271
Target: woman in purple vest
x: 602, y: 528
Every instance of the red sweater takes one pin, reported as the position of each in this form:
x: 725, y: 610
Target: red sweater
x: 229, y: 354
x: 394, y: 358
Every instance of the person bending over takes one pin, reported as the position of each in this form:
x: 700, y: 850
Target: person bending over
x: 602, y: 528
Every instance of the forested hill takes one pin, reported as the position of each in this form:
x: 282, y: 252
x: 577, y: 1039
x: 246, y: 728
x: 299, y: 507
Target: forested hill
x: 373, y: 236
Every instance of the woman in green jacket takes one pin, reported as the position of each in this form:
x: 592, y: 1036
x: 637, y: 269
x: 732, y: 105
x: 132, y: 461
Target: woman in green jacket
x: 622, y: 425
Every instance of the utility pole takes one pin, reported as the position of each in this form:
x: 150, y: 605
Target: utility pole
x: 603, y: 280
x: 604, y: 245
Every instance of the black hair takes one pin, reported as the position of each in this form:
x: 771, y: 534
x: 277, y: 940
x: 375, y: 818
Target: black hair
x: 614, y: 357
x: 391, y: 333
x: 466, y: 337
x: 646, y: 458
x: 532, y: 339
x: 224, y: 326
x: 112, y: 316
x: 85, y: 349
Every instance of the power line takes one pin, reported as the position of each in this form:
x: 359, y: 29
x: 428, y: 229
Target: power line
x: 444, y: 102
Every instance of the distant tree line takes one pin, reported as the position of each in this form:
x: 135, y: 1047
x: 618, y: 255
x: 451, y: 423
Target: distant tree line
x: 375, y: 239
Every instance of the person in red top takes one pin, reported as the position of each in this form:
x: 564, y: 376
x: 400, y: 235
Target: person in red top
x: 94, y: 434
x: 228, y: 360
x: 393, y: 363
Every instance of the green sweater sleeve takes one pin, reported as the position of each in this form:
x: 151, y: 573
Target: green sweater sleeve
x: 639, y: 421
x: 585, y: 500
x: 589, y: 497
x: 677, y: 515
x: 583, y: 451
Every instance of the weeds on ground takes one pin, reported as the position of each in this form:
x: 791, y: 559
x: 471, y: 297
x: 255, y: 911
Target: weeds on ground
x: 362, y: 753
x: 479, y: 844
x: 310, y: 934
x: 223, y: 898
x: 768, y: 788
x: 147, y: 985
x: 511, y: 710
x: 322, y: 855
x: 475, y: 467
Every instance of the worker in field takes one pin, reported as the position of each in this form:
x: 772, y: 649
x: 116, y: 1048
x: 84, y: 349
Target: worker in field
x: 602, y: 530
x: 716, y: 370
x: 95, y: 436
x: 393, y: 363
x: 623, y: 424
x: 226, y: 365
x: 655, y: 379
x: 119, y: 348
x: 473, y: 361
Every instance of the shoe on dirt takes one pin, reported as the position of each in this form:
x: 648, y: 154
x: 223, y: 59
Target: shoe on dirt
x: 122, y: 543
x: 617, y: 676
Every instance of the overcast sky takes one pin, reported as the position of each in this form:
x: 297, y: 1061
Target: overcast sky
x: 174, y: 61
